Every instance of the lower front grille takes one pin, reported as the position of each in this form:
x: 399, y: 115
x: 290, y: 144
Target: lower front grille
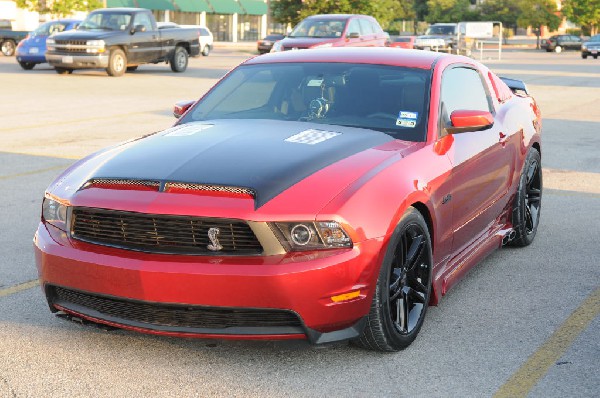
x: 176, y: 317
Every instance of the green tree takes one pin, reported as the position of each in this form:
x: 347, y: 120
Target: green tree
x: 583, y: 12
x: 286, y: 11
x: 59, y: 8
x: 450, y: 11
x: 538, y: 13
x: 505, y: 11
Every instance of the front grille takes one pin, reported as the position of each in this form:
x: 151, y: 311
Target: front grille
x: 168, y: 234
x: 71, y: 46
x: 170, y: 315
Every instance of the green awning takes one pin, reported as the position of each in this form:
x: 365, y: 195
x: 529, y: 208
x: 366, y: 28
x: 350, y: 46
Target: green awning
x: 120, y: 3
x: 254, y: 7
x: 156, y: 4
x: 192, y: 5
x: 226, y: 7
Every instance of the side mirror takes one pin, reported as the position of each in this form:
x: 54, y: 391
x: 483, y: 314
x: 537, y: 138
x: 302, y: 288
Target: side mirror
x: 138, y: 28
x: 353, y: 35
x: 181, y: 107
x: 463, y: 121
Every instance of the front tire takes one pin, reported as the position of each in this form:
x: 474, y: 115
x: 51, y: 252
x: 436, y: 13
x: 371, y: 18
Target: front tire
x: 26, y: 65
x: 528, y: 201
x: 63, y: 71
x: 8, y: 47
x: 403, y: 288
x: 117, y: 63
x: 584, y: 56
x: 558, y: 49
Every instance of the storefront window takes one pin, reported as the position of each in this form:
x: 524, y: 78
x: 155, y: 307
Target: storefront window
x: 248, y: 27
x: 220, y: 26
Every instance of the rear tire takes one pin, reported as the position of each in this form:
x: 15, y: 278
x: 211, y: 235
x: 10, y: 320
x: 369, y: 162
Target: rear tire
x: 26, y: 65
x: 8, y: 47
x: 117, y: 63
x: 403, y: 288
x: 206, y: 50
x: 528, y: 201
x: 595, y: 56
x: 179, y: 60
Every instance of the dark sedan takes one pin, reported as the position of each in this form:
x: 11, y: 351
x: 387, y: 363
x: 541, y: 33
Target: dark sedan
x: 558, y: 43
x: 265, y: 45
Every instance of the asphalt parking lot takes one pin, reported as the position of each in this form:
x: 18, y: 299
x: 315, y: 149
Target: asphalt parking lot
x: 523, y: 322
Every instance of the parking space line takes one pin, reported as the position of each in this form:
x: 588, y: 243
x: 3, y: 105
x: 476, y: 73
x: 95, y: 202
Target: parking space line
x: 538, y: 364
x: 19, y: 288
x: 28, y: 173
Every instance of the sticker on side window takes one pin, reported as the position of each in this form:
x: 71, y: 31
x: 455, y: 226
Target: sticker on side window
x: 407, y: 119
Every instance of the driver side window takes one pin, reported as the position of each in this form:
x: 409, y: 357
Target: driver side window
x: 462, y: 88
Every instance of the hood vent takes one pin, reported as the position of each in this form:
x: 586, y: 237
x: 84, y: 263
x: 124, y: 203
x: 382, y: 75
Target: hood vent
x: 209, y: 190
x: 171, y: 187
x: 122, y: 184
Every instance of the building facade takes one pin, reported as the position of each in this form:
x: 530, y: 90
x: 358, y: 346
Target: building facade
x: 228, y: 20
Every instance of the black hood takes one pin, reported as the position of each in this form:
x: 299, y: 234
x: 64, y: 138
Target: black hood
x: 264, y: 155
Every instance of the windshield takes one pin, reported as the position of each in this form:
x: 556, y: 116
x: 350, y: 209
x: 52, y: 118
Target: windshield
x: 440, y: 30
x: 49, y: 28
x: 390, y: 99
x: 106, y: 21
x: 319, y: 28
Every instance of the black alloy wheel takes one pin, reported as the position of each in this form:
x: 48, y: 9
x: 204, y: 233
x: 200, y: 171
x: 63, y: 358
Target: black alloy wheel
x: 528, y: 200
x: 403, y: 289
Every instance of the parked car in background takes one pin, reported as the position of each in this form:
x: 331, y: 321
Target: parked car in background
x: 32, y: 50
x: 265, y: 45
x: 205, y: 36
x: 407, y: 42
x: 9, y: 38
x: 591, y: 47
x: 558, y: 43
x: 439, y: 36
x: 119, y: 40
x: 334, y: 30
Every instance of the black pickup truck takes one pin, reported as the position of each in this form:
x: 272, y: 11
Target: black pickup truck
x: 9, y: 38
x: 120, y: 39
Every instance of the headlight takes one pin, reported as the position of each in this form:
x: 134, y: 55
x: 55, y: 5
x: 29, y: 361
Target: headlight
x: 55, y: 213
x: 50, y: 44
x: 95, y: 46
x: 583, y: 47
x: 308, y: 235
x: 276, y: 47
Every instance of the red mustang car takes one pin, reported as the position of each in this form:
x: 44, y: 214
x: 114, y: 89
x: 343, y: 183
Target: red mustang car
x: 323, y: 195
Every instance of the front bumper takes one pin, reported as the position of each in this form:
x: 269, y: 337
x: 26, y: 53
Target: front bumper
x: 302, y: 284
x: 78, y: 61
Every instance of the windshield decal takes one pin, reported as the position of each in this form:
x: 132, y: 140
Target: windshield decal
x: 407, y: 119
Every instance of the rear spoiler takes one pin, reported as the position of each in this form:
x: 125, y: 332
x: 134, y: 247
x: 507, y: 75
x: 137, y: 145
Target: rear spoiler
x: 516, y: 86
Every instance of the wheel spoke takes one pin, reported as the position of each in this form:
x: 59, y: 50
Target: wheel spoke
x: 531, y: 172
x: 417, y: 286
x: 402, y: 311
x: 414, y: 252
x: 528, y: 219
